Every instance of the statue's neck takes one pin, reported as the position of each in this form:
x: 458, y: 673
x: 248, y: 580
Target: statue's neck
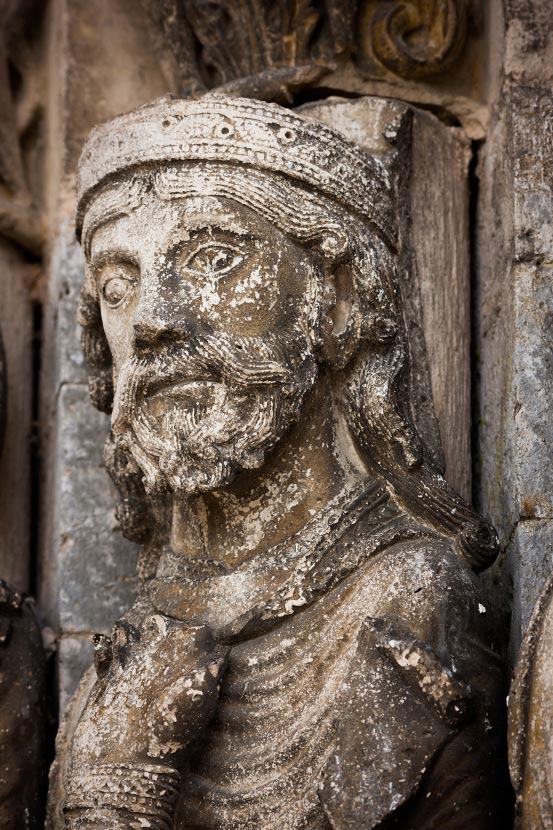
x: 261, y: 508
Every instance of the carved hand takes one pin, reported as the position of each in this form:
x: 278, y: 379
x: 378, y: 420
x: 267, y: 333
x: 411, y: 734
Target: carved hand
x: 158, y: 692
x: 152, y: 698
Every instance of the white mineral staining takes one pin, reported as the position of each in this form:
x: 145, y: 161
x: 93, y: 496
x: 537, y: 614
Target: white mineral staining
x: 407, y: 657
x: 290, y: 604
x: 209, y: 295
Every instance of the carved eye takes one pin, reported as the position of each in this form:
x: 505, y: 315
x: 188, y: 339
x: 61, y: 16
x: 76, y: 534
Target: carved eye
x: 214, y: 260
x: 117, y: 285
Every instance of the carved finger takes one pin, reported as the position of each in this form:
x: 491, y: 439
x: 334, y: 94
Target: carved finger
x: 123, y: 636
x: 103, y: 654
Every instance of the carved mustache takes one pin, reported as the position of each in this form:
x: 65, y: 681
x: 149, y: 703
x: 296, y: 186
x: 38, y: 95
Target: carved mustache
x: 238, y: 360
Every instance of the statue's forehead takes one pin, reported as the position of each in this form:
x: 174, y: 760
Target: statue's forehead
x: 156, y: 218
x: 273, y: 203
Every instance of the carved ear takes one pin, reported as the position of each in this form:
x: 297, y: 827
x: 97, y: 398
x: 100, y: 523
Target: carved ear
x: 341, y: 318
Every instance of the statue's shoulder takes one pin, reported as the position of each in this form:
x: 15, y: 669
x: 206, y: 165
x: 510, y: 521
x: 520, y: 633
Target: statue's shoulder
x: 417, y: 578
x: 417, y: 714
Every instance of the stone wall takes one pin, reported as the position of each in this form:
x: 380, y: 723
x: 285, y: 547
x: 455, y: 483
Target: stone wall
x: 101, y: 64
x: 514, y: 304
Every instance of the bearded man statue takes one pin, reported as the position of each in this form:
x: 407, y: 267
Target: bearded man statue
x: 308, y: 650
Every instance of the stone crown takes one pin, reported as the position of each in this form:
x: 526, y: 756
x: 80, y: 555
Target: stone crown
x: 240, y: 131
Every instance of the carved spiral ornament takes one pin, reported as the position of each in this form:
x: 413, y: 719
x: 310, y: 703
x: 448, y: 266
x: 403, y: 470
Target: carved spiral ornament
x: 419, y: 38
x: 479, y: 543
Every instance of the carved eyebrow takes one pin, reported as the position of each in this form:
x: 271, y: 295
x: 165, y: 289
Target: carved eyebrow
x: 95, y: 221
x: 111, y: 255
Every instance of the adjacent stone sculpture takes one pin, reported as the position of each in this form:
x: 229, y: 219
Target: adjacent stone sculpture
x: 23, y: 764
x: 531, y: 719
x: 310, y: 648
x: 22, y: 698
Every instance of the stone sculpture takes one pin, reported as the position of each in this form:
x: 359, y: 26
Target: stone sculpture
x: 310, y: 648
x: 530, y: 720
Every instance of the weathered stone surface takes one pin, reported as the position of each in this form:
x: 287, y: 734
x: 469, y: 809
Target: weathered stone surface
x: 530, y: 554
x: 532, y: 388
x: 91, y: 574
x: 528, y: 49
x: 530, y: 112
x: 66, y: 363
x: 494, y: 330
x: 516, y: 459
x: 443, y: 273
x: 514, y: 298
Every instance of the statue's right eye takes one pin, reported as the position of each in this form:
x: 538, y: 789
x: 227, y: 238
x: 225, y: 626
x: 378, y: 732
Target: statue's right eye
x: 117, y: 283
x: 115, y: 290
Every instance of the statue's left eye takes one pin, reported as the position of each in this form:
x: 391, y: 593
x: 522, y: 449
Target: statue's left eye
x: 214, y: 260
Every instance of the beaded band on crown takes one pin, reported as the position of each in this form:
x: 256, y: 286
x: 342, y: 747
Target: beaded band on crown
x: 240, y: 131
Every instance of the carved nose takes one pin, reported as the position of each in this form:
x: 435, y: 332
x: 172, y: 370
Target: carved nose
x: 150, y: 330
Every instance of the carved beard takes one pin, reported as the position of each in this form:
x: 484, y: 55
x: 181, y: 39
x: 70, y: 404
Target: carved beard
x: 195, y: 414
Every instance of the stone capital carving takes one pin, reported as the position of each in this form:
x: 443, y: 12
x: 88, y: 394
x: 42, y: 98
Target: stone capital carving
x: 266, y: 51
x: 419, y: 38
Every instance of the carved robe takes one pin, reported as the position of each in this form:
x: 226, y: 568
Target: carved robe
x: 360, y: 685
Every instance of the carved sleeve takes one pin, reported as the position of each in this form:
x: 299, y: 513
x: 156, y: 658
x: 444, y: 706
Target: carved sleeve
x: 419, y: 721
x: 121, y: 796
x: 392, y: 729
x: 157, y: 689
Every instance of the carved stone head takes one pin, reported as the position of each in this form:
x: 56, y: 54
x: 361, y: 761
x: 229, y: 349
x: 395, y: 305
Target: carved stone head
x: 236, y: 253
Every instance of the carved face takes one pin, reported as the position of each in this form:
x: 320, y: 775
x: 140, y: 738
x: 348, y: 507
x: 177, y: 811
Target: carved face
x: 211, y: 313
